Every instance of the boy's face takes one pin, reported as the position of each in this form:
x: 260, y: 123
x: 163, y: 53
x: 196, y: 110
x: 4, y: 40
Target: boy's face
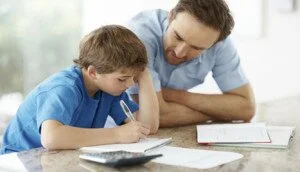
x: 117, y: 82
x: 186, y: 38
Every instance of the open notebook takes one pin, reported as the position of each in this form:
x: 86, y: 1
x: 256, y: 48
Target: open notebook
x: 143, y: 145
x: 232, y: 133
x: 280, y: 137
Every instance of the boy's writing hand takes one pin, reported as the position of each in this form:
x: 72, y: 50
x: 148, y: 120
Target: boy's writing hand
x: 132, y: 132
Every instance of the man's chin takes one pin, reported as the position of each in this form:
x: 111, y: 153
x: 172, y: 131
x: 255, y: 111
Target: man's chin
x: 173, y: 61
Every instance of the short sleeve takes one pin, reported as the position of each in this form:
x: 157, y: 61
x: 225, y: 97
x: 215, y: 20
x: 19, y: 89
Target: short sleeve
x: 147, y: 26
x: 58, y: 104
x: 227, y: 71
x: 116, y: 111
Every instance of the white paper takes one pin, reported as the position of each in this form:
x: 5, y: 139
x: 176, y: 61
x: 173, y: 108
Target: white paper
x: 232, y: 133
x: 141, y: 146
x: 193, y: 158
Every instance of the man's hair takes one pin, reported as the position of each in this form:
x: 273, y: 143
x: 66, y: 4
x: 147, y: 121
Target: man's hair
x: 213, y: 13
x: 110, y: 48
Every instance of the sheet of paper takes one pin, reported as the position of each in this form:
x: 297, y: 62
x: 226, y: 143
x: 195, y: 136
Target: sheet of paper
x: 141, y: 146
x: 232, y: 133
x: 193, y: 158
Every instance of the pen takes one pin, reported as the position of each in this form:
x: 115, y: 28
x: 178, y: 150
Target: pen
x: 126, y: 110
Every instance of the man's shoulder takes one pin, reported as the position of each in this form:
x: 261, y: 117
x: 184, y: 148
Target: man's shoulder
x: 148, y: 22
x: 221, y: 47
x: 151, y: 15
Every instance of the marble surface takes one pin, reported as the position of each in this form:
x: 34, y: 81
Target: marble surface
x: 281, y: 112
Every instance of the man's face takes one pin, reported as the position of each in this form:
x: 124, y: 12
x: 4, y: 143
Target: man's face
x: 186, y: 38
x: 117, y: 82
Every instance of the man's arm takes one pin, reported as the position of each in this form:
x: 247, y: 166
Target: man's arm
x: 173, y: 114
x: 237, y: 104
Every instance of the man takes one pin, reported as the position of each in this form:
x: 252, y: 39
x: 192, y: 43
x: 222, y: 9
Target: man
x: 183, y: 46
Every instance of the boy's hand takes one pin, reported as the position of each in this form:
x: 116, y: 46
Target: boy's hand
x: 132, y: 132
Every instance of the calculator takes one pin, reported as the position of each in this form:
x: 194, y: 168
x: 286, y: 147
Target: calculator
x: 119, y: 158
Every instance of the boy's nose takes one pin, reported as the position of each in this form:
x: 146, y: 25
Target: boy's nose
x: 130, y: 82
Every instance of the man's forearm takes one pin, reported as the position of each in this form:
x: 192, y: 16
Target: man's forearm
x: 178, y: 115
x: 222, y: 106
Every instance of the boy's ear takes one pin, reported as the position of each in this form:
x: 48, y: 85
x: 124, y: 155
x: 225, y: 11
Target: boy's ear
x: 91, y: 71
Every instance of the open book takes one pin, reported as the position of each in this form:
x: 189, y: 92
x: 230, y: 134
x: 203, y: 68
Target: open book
x: 143, y: 145
x: 232, y: 133
x: 280, y: 136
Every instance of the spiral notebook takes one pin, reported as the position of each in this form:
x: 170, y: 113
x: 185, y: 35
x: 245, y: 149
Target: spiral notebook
x: 143, y: 145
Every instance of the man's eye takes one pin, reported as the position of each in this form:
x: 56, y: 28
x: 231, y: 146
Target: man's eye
x: 122, y: 80
x: 178, y: 38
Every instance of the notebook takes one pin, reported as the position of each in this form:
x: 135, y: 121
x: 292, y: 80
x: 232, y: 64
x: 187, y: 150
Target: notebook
x: 143, y: 145
x: 280, y: 136
x: 232, y: 133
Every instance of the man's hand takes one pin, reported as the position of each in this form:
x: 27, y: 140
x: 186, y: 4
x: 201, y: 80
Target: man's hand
x: 171, y: 95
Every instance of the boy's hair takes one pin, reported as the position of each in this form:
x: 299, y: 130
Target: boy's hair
x: 110, y: 48
x: 213, y: 13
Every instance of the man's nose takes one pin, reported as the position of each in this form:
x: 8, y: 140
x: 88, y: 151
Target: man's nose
x: 181, y: 50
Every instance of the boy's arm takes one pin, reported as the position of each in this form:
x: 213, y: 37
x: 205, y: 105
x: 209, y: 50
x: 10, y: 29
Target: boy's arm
x: 148, y: 104
x: 55, y: 135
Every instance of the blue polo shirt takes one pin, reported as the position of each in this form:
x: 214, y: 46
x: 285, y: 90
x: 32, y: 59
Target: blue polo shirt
x: 61, y: 97
x: 221, y: 59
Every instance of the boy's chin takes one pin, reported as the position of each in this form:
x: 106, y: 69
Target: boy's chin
x: 116, y: 93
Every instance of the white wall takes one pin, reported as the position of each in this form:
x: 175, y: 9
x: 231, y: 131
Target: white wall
x: 272, y: 61
x: 101, y: 12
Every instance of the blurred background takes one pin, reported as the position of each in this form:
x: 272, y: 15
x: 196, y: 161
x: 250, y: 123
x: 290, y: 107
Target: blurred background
x: 40, y: 37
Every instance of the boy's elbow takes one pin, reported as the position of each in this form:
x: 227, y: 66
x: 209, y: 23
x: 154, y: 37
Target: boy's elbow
x: 49, y: 142
x: 154, y: 129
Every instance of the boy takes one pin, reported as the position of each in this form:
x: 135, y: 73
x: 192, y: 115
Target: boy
x: 69, y: 109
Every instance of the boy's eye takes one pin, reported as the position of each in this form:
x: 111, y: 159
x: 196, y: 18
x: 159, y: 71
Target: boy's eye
x: 122, y: 80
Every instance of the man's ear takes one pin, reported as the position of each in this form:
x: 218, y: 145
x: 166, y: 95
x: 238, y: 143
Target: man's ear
x: 92, y: 73
x: 171, y: 16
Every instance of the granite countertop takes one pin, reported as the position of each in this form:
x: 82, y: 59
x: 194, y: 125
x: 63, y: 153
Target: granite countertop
x: 255, y: 159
